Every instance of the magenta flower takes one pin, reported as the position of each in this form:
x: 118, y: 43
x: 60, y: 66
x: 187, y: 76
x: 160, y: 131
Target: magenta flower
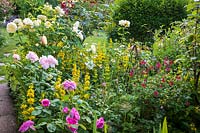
x: 45, y: 102
x: 16, y: 57
x: 143, y: 62
x: 100, y: 122
x: 32, y: 56
x: 74, y: 114
x: 72, y: 124
x: 69, y: 85
x: 158, y: 65
x: 65, y: 110
x: 26, y: 125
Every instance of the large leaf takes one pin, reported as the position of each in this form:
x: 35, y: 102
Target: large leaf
x: 164, y: 128
x: 51, y: 127
x: 36, y: 112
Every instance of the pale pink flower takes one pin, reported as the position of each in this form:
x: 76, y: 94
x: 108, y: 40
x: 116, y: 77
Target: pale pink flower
x: 69, y: 85
x: 44, y: 62
x: 32, y: 56
x: 16, y: 57
x: 100, y: 122
x: 45, y: 102
x: 26, y: 125
x: 52, y: 61
x: 43, y: 40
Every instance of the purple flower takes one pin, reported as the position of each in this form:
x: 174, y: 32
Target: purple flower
x: 74, y: 114
x: 45, y: 102
x: 72, y: 124
x: 65, y: 110
x: 32, y: 56
x: 26, y: 125
x: 69, y: 85
x: 100, y: 122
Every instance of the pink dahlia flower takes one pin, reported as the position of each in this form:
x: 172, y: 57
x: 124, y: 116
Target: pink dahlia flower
x: 72, y: 124
x: 45, y: 102
x: 16, y: 57
x: 65, y: 110
x: 26, y: 125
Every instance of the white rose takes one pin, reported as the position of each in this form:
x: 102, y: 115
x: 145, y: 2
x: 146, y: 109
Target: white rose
x: 43, y: 40
x: 11, y: 27
x: 37, y: 22
x: 48, y: 7
x: 59, y: 11
x: 80, y: 35
x: 47, y: 24
x: 17, y: 21
x: 28, y: 21
x: 42, y: 17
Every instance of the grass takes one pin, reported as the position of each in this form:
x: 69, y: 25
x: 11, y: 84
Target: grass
x: 8, y: 47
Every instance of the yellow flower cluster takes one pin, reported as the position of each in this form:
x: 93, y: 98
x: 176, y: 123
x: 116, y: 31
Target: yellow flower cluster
x: 59, y: 91
x: 28, y: 109
x: 75, y: 74
x: 86, y: 85
x: 107, y: 72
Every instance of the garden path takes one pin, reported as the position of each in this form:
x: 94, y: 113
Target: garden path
x: 7, y: 113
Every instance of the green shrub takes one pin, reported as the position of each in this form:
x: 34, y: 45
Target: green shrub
x: 147, y: 15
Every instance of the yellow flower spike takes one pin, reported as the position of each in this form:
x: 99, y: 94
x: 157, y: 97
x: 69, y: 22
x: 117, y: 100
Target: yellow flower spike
x: 23, y: 106
x: 60, y: 44
x: 56, y: 95
x: 30, y: 95
x: 30, y: 91
x: 25, y: 112
x: 62, y: 92
x: 30, y: 109
x: 31, y: 86
x: 31, y: 117
x: 86, y: 96
x: 31, y: 100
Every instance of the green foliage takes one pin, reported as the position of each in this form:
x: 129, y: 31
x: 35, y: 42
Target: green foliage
x: 147, y: 15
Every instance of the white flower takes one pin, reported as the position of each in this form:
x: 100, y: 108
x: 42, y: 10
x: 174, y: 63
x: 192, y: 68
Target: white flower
x: 90, y: 64
x: 11, y: 27
x: 75, y: 26
x: 124, y: 23
x: 80, y: 35
x: 47, y: 24
x: 47, y: 7
x: 93, y: 48
x: 42, y: 17
x: 17, y: 21
x: 16, y: 57
x: 196, y: 0
x: 59, y: 10
x: 37, y: 22
x: 28, y: 21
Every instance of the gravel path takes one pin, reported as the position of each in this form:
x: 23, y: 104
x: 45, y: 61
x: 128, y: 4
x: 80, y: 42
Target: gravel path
x: 7, y: 114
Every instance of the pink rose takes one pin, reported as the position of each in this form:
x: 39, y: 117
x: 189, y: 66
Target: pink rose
x: 52, y: 61
x: 45, y: 102
x: 74, y: 114
x: 43, y: 40
x: 65, y: 110
x: 48, y: 61
x: 100, y: 122
x: 32, y: 56
x: 26, y: 125
x: 69, y: 85
x: 16, y: 57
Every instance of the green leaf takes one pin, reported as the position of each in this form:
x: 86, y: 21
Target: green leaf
x: 51, y: 127
x: 94, y: 124
x: 105, y: 128
x: 41, y: 124
x: 47, y: 111
x: 38, y: 107
x: 88, y: 119
x: 82, y: 126
x: 36, y: 112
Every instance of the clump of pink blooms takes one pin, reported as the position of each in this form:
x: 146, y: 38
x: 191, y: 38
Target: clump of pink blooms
x: 32, y: 56
x: 26, y: 125
x: 48, y: 61
x: 69, y: 85
x: 72, y: 120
